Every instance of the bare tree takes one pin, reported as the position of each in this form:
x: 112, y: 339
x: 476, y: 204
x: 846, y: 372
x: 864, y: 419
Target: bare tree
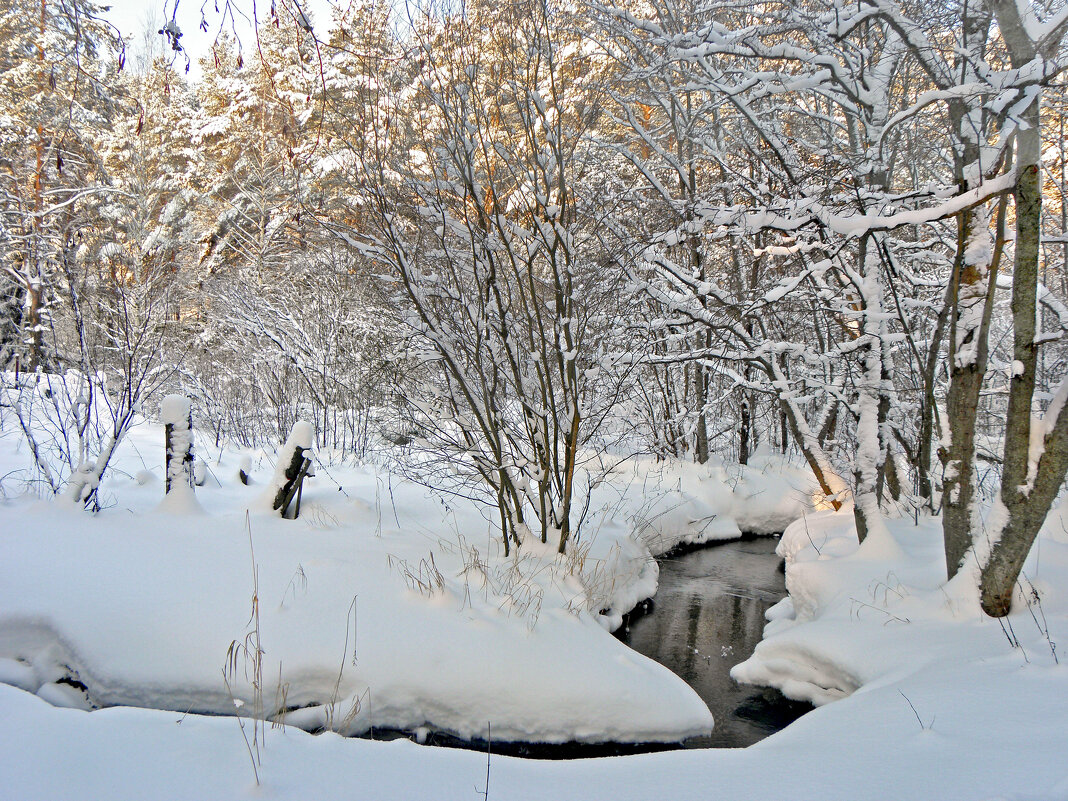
x: 1035, y: 451
x: 480, y: 226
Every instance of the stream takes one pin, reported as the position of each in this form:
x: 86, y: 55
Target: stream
x: 708, y: 615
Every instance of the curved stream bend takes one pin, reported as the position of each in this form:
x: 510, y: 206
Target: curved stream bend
x: 706, y: 617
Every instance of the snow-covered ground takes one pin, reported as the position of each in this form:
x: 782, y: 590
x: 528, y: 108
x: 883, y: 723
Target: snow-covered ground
x: 384, y: 606
x: 381, y: 606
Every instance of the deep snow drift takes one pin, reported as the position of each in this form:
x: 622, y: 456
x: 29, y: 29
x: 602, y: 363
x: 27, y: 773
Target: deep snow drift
x: 381, y: 606
x: 930, y: 698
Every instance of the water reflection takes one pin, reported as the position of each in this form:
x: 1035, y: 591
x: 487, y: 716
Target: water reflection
x: 708, y: 616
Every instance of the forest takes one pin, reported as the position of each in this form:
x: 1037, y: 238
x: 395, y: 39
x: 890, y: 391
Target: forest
x: 500, y: 249
x: 517, y: 237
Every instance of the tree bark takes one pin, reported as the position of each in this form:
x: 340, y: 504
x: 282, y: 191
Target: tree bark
x: 743, y: 431
x: 1027, y: 489
x: 873, y: 402
x: 1031, y: 477
x: 972, y: 287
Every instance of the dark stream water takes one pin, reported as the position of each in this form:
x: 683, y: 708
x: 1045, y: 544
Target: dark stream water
x: 707, y: 616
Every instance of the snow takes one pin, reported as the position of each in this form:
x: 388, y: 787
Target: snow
x: 377, y: 607
x: 983, y: 743
x: 879, y: 614
x: 382, y: 600
x: 146, y: 642
x: 695, y: 504
x: 174, y: 410
x: 800, y: 213
x: 181, y: 500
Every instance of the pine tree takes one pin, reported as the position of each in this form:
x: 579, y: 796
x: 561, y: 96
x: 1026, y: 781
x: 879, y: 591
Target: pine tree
x: 55, y: 103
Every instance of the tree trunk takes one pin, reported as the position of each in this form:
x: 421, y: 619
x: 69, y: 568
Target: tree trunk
x: 1024, y: 515
x: 1027, y: 489
x: 971, y: 294
x: 700, y: 380
x: 872, y: 400
x: 929, y: 421
x: 1030, y: 479
x: 743, y: 431
x: 818, y: 461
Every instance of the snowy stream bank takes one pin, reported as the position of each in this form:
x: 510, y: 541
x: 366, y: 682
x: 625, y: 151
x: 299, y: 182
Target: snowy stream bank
x: 930, y: 699
x: 707, y: 616
x: 380, y: 608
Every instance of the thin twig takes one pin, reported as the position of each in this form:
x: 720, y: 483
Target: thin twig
x: 489, y: 749
x: 923, y: 726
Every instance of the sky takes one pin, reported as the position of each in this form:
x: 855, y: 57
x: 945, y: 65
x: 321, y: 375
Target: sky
x: 140, y: 21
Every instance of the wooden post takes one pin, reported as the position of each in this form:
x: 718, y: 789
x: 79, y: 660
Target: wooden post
x: 177, y: 414
x: 292, y: 468
x: 295, y: 473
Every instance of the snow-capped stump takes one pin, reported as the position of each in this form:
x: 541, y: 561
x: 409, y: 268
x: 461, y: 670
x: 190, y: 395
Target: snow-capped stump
x: 176, y: 413
x: 294, y: 464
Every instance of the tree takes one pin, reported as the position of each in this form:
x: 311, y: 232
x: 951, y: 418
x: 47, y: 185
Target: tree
x: 50, y: 60
x: 1035, y: 451
x: 836, y: 95
x: 120, y: 296
x: 476, y: 213
x: 62, y: 220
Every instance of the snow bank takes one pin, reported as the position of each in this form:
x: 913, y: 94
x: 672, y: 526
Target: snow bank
x: 379, y: 607
x: 861, y: 616
x: 772, y: 493
x: 140, y: 606
x: 689, y: 504
x: 362, y: 631
x: 994, y: 730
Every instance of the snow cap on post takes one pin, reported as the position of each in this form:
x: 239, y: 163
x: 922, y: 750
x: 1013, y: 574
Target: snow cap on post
x: 176, y: 410
x: 302, y: 436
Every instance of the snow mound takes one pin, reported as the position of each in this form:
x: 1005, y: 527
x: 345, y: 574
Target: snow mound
x: 688, y: 504
x: 677, y: 518
x: 377, y: 608
x: 862, y: 615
